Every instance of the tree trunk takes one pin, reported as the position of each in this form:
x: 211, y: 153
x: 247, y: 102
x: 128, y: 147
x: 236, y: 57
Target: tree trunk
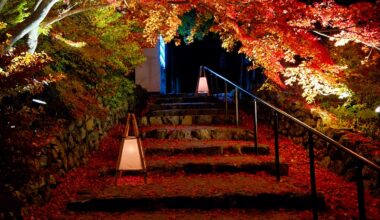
x: 33, y: 21
x: 2, y: 4
x: 38, y: 4
x: 51, y: 21
x: 33, y: 40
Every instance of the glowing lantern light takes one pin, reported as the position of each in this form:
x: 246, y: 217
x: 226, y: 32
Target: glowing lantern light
x: 377, y: 109
x: 131, y: 155
x: 202, y: 86
x: 130, y: 158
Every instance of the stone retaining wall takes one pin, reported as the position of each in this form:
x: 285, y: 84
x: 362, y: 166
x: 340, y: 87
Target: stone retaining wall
x: 68, y: 150
x: 39, y: 171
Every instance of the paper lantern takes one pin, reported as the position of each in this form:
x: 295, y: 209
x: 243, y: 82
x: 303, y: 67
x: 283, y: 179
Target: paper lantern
x: 202, y: 85
x: 130, y: 156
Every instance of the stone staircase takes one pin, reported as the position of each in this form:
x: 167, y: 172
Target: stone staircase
x: 197, y: 159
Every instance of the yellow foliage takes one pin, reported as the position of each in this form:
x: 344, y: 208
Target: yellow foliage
x: 161, y: 21
x: 316, y: 82
x: 2, y: 25
x: 23, y: 62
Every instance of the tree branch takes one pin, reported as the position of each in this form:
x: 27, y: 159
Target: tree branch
x: 2, y: 4
x: 37, y: 5
x: 34, y: 20
x: 70, y: 13
x: 325, y: 35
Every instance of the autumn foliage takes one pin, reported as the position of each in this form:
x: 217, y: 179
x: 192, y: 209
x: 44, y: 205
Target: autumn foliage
x: 284, y: 37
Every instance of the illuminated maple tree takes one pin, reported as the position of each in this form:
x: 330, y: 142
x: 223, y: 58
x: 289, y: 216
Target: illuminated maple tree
x: 281, y: 36
x: 285, y: 37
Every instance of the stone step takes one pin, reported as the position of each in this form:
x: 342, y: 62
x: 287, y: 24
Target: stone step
x: 177, y: 95
x: 191, y: 111
x: 191, y: 214
x: 209, y: 191
x: 201, y: 164
x: 187, y: 120
x: 197, y: 132
x: 210, y: 147
x: 184, y: 98
x: 185, y: 105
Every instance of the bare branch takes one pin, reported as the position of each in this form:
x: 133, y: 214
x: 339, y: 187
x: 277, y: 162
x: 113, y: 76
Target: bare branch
x: 332, y: 37
x: 2, y: 4
x: 51, y: 21
x: 37, y: 5
x: 34, y: 20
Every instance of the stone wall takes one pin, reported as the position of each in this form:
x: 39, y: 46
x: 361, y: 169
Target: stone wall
x: 327, y: 155
x: 38, y: 172
x: 66, y: 151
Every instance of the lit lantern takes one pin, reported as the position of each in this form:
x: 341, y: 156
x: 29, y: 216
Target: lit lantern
x: 131, y: 154
x: 202, y: 86
x: 130, y: 158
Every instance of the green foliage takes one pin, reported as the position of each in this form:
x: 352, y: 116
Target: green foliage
x: 367, y: 115
x: 15, y: 12
x: 358, y: 116
x: 45, y: 30
x: 363, y: 78
x: 195, y: 26
x: 106, y: 16
x: 116, y: 91
x: 96, y: 79
x: 111, y: 39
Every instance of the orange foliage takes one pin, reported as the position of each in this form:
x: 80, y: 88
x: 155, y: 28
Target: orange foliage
x: 271, y: 32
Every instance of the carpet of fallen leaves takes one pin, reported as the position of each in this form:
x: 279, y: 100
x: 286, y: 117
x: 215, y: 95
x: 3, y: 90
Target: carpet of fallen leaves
x: 340, y: 195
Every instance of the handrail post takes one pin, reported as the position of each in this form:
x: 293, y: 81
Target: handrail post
x: 237, y: 106
x: 225, y: 99
x: 277, y: 154
x: 360, y: 189
x: 313, y: 184
x: 361, y: 161
x: 255, y: 124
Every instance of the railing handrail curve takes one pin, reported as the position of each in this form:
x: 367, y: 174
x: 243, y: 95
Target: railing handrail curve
x: 352, y: 153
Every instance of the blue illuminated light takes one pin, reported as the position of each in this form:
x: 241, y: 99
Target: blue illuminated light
x: 162, y: 52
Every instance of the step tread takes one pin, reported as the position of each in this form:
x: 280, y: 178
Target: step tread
x: 188, y: 103
x: 200, y: 185
x: 203, y: 119
x: 189, y: 111
x: 214, y: 164
x: 208, y: 147
x: 156, y: 143
x: 193, y: 127
x: 226, y: 159
x: 197, y: 132
x: 184, y: 106
x: 221, y: 214
x: 176, y: 99
x: 221, y: 189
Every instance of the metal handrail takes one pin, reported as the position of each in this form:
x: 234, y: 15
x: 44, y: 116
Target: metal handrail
x: 311, y: 131
x: 303, y: 124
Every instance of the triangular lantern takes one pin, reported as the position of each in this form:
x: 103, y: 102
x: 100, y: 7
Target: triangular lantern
x: 131, y: 154
x: 202, y: 85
